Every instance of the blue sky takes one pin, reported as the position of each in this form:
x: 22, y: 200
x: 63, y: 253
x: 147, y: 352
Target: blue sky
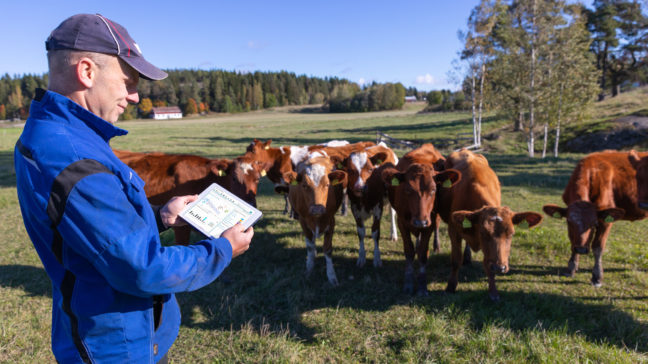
x: 412, y: 42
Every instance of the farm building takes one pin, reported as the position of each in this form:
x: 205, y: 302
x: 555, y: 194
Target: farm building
x: 410, y: 98
x: 167, y: 112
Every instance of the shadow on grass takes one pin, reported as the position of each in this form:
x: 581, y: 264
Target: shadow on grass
x: 7, y: 171
x: 33, y: 280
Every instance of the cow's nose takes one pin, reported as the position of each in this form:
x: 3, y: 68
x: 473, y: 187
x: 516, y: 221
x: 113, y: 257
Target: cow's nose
x: 501, y: 269
x: 359, y: 190
x: 420, y: 223
x: 581, y: 250
x: 317, y: 210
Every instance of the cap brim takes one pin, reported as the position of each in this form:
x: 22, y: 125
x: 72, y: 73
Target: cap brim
x: 145, y: 69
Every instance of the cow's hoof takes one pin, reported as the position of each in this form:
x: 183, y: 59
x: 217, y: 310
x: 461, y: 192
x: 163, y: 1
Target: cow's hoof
x: 596, y: 282
x: 567, y: 273
x: 451, y: 288
x: 495, y: 297
x: 408, y: 288
x: 436, y: 250
x: 361, y: 262
x: 377, y: 263
x: 334, y: 282
x: 422, y: 292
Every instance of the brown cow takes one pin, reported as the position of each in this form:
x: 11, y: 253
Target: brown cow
x: 367, y: 194
x: 316, y: 193
x: 168, y: 175
x: 601, y: 190
x: 473, y: 211
x: 412, y: 191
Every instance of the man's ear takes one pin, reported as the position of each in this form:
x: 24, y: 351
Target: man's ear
x: 86, y: 72
x: 610, y: 215
x: 527, y: 219
x: 554, y: 211
x: 338, y: 177
x: 466, y: 219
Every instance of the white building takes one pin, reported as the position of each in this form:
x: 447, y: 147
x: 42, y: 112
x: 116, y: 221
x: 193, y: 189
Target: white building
x: 166, y: 112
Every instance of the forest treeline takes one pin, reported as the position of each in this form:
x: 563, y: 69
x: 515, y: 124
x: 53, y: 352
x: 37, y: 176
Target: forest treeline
x: 199, y: 91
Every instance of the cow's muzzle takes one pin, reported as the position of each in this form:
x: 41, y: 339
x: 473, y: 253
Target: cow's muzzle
x: 317, y: 210
x: 420, y: 223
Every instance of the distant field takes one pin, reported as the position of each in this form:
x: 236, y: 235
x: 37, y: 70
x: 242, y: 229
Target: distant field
x: 270, y: 312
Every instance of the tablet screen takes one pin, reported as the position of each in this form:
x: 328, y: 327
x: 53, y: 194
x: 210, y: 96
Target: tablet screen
x: 217, y: 209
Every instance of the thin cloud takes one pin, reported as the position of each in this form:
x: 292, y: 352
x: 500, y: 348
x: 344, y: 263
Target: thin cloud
x: 253, y: 44
x: 426, y: 79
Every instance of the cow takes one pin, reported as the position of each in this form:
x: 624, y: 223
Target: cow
x: 315, y: 192
x: 639, y: 162
x: 367, y: 194
x: 168, y: 175
x: 412, y: 189
x: 473, y: 211
x: 602, y: 189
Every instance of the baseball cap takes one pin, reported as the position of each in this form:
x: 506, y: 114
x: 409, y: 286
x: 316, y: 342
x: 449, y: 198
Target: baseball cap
x: 96, y: 33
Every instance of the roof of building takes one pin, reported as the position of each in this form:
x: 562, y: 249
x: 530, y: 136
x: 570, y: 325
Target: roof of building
x: 166, y: 110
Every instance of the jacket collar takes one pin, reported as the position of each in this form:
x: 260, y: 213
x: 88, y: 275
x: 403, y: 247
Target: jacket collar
x: 64, y: 107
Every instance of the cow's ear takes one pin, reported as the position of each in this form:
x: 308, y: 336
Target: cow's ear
x: 439, y: 165
x: 338, y: 162
x: 466, y: 219
x: 266, y: 145
x: 338, y: 178
x: 392, y: 177
x: 378, y: 158
x: 610, y: 215
x: 527, y: 219
x: 634, y: 158
x: 220, y: 167
x: 291, y: 177
x: 448, y: 178
x: 554, y: 211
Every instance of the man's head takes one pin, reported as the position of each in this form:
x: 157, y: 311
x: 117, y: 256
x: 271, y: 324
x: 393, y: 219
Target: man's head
x: 96, y: 63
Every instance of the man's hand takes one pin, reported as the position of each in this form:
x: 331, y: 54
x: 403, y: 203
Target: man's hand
x: 169, y: 212
x: 238, y: 238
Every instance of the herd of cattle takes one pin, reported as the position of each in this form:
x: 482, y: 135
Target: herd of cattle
x: 422, y: 189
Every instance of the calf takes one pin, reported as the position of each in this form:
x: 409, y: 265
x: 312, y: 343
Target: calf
x: 473, y: 211
x: 639, y: 162
x: 367, y: 194
x: 601, y: 190
x: 412, y: 192
x: 168, y: 175
x: 315, y: 193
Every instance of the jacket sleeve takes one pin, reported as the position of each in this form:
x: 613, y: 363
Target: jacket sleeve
x: 102, y: 225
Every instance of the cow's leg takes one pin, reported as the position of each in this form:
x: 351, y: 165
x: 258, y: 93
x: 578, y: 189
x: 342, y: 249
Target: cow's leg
x: 492, y: 289
x: 422, y: 251
x: 408, y: 250
x: 436, y: 220
x: 375, y: 234
x: 394, y: 234
x: 467, y: 255
x: 360, y: 229
x: 598, y: 245
x: 572, y: 265
x: 311, y: 252
x: 455, y: 255
x: 182, y: 234
x: 328, y: 252
x: 345, y: 202
x: 286, y: 205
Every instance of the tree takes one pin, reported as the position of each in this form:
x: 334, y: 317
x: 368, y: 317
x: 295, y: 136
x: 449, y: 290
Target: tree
x: 191, y: 107
x: 3, y: 112
x: 434, y: 98
x: 145, y: 107
x: 15, y: 102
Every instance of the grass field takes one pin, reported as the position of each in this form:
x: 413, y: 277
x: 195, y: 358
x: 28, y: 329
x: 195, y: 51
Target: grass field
x: 271, y: 312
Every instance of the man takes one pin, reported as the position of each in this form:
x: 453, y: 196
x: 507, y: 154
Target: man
x: 86, y: 212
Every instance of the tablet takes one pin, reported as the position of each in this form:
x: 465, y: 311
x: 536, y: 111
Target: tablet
x: 217, y: 209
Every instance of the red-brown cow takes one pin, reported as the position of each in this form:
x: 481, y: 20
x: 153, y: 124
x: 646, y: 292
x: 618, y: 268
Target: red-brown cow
x: 412, y: 191
x: 601, y: 190
x: 168, y: 175
x: 367, y: 194
x: 316, y: 193
x: 473, y: 211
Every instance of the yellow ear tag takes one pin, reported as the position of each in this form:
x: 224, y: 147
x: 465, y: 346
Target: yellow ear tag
x: 293, y: 182
x: 221, y: 173
x: 447, y: 183
x: 524, y: 224
x: 609, y: 219
x: 395, y: 181
x: 267, y: 147
x: 339, y: 165
x: 336, y: 182
x: 466, y: 223
x: 378, y: 162
x: 557, y: 215
x: 263, y: 173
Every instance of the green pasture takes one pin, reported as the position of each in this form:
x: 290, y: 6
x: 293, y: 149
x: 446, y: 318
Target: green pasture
x: 267, y: 310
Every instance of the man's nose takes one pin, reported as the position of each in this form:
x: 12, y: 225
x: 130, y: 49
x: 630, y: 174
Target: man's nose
x: 133, y: 97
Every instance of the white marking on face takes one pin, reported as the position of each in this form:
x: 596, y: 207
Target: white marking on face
x: 298, y: 154
x: 496, y: 218
x: 315, y: 172
x: 359, y: 161
x: 246, y: 167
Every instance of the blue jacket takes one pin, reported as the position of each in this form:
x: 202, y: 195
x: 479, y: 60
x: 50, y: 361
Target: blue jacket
x: 88, y: 217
